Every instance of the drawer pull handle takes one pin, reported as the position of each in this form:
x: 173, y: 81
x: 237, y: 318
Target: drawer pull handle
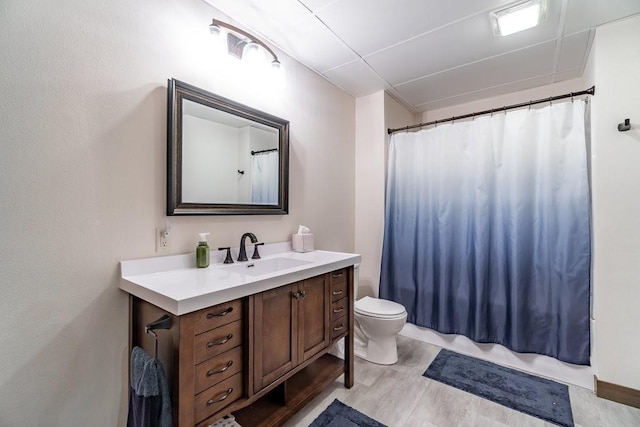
x: 338, y: 310
x: 222, y: 341
x: 339, y: 328
x: 222, y: 313
x: 337, y: 274
x: 220, y: 399
x: 221, y: 370
x: 337, y: 292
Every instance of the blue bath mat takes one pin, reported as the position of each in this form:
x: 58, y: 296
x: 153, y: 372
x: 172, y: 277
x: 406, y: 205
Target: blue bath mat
x: 526, y: 393
x: 340, y: 415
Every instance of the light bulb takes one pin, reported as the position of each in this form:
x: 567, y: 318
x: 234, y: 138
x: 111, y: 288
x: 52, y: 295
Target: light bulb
x: 215, y: 30
x: 251, y: 52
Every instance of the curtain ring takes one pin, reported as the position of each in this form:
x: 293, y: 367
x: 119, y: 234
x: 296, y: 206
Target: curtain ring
x: 473, y: 117
x: 530, y: 103
x: 492, y: 112
x: 550, y: 102
x: 504, y: 108
x: 572, y: 97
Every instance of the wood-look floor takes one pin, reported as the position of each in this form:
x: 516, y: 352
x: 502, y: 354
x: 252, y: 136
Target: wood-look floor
x: 399, y: 395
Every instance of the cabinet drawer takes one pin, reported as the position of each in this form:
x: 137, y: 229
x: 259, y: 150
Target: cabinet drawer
x: 339, y: 327
x: 339, y: 308
x: 218, y: 315
x: 217, y: 397
x: 338, y: 285
x: 217, y: 341
x: 216, y: 369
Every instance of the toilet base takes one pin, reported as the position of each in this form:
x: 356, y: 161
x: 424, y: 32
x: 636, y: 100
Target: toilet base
x: 383, y: 351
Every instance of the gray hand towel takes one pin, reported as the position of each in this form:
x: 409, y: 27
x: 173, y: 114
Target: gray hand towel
x: 149, y: 402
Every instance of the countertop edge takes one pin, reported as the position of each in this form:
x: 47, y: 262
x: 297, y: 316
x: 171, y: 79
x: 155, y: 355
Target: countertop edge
x: 188, y: 305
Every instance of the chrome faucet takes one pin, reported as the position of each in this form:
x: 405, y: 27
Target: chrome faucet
x: 242, y: 256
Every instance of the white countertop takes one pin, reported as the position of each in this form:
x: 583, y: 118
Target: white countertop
x: 174, y: 284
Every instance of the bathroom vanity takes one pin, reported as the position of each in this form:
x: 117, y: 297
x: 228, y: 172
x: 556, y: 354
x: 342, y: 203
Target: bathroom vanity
x: 249, y: 338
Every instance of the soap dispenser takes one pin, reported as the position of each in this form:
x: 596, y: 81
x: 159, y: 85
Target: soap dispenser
x: 202, y: 252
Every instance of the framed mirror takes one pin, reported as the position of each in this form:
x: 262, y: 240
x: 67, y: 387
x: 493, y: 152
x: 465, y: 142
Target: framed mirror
x: 224, y: 158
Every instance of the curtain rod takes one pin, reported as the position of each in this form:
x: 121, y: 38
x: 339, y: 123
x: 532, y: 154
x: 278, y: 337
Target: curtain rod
x: 253, y: 153
x: 590, y: 91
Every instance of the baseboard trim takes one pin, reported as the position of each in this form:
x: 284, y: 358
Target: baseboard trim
x: 618, y: 393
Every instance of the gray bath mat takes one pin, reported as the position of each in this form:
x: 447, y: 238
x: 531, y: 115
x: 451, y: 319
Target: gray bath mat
x: 526, y: 393
x: 340, y: 415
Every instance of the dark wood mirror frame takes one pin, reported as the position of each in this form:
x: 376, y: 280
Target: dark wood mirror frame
x: 179, y: 91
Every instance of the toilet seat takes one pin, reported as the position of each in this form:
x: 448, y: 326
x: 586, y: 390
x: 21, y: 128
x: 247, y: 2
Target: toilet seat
x: 379, y: 308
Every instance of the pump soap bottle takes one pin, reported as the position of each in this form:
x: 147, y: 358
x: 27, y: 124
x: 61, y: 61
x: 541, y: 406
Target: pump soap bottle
x: 202, y: 252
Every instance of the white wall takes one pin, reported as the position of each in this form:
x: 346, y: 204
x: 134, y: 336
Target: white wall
x: 374, y: 115
x: 82, y: 167
x: 210, y: 152
x: 567, y: 86
x: 615, y: 68
x: 369, y: 196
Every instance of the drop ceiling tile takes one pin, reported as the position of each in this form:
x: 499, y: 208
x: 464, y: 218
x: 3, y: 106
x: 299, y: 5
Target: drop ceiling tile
x: 573, y: 50
x: 583, y: 14
x: 519, y: 65
x: 356, y: 78
x: 568, y: 74
x: 386, y: 23
x: 314, y: 5
x: 488, y: 93
x: 292, y: 28
x: 460, y: 43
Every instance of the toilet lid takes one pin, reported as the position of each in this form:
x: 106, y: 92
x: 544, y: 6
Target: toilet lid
x: 377, y: 307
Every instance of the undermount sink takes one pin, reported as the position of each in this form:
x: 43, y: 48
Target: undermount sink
x: 265, y: 266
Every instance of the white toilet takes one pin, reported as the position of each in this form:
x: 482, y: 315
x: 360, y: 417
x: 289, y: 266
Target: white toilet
x: 377, y: 322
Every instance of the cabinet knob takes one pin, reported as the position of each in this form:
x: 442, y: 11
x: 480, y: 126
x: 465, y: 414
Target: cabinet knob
x: 338, y: 328
x: 338, y: 310
x: 337, y: 292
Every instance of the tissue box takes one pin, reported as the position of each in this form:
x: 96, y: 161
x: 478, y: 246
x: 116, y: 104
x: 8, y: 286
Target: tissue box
x: 302, y: 242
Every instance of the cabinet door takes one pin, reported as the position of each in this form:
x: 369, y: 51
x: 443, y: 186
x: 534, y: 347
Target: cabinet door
x: 313, y: 317
x: 275, y: 337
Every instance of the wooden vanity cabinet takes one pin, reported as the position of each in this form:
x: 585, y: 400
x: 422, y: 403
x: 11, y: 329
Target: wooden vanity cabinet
x: 261, y: 357
x: 291, y: 324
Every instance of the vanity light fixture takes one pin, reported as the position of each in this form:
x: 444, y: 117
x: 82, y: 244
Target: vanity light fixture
x: 242, y: 44
x: 518, y: 17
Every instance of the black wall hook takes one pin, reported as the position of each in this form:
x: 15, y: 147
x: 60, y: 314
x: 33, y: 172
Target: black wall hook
x: 622, y: 127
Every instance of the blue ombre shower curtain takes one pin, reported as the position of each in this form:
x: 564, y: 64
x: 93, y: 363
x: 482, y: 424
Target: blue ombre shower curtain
x: 487, y: 230
x: 264, y: 178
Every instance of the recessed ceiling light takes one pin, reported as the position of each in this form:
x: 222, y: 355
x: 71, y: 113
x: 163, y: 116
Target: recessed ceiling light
x: 518, y: 17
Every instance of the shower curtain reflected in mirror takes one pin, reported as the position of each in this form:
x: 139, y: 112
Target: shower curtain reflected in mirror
x: 264, y: 178
x: 487, y: 230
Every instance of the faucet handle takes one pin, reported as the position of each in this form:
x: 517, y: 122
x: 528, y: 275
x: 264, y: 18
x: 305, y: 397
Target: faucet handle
x: 228, y: 259
x: 256, y: 255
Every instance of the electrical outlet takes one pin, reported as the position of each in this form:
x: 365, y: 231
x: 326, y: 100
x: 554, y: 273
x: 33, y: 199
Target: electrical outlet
x: 162, y: 240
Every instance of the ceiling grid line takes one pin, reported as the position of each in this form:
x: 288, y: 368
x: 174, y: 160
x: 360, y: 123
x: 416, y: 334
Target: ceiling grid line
x: 426, y: 53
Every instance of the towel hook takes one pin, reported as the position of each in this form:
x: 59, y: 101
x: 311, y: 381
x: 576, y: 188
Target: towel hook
x: 623, y: 127
x: 162, y: 323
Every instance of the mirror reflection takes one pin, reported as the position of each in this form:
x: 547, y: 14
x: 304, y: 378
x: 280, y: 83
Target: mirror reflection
x: 224, y: 158
x: 239, y: 156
